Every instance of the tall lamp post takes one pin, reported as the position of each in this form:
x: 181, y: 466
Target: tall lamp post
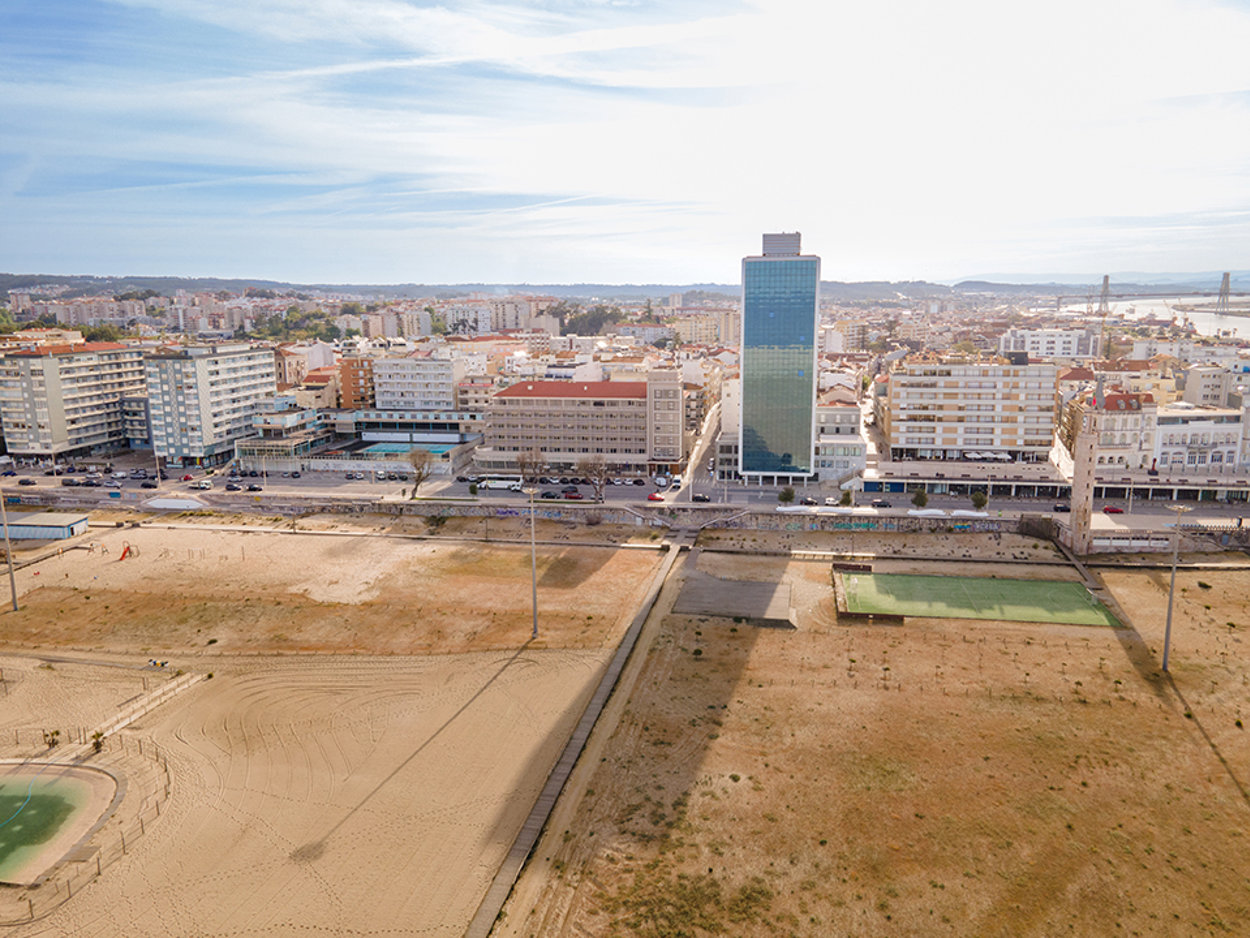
x: 1176, y: 549
x: 8, y: 548
x: 531, y: 490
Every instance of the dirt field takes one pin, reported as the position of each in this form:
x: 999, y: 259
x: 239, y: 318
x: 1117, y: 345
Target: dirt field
x: 351, y: 794
x: 941, y: 777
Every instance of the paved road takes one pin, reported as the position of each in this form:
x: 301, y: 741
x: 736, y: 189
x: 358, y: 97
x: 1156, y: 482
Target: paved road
x: 1140, y: 514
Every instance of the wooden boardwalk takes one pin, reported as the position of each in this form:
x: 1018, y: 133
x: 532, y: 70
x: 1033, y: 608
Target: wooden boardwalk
x: 488, y: 911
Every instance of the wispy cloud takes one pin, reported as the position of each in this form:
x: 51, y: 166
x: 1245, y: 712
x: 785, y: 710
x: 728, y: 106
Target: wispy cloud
x: 610, y: 141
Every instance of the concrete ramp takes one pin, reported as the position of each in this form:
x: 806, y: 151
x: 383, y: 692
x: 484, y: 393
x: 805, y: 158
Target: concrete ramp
x: 761, y: 603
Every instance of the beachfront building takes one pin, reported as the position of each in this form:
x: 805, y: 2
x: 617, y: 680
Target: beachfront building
x: 66, y: 400
x: 963, y: 408
x: 635, y: 426
x: 202, y: 398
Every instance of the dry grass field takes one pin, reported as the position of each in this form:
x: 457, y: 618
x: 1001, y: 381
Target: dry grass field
x: 942, y: 777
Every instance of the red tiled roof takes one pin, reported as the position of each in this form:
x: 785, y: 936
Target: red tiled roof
x: 577, y: 389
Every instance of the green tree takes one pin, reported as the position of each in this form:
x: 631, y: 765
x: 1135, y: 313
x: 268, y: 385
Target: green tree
x: 979, y: 500
x: 786, y: 495
x: 920, y: 499
x: 846, y: 498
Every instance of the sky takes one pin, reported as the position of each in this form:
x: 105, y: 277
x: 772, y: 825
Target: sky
x: 621, y: 141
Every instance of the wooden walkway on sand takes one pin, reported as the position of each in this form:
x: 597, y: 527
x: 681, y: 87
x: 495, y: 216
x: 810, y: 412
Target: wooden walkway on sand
x: 510, y: 869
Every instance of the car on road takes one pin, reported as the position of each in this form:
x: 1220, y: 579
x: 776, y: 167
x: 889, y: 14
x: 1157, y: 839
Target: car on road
x: 188, y: 477
x: 233, y: 487
x: 91, y: 483
x: 575, y: 496
x: 254, y: 487
x: 655, y: 497
x: 9, y: 472
x: 27, y: 482
x: 145, y: 484
x: 1060, y: 507
x: 295, y: 474
x: 880, y: 503
x: 73, y: 483
x: 1112, y: 510
x: 701, y: 497
x: 807, y: 500
x: 640, y: 482
x: 549, y: 494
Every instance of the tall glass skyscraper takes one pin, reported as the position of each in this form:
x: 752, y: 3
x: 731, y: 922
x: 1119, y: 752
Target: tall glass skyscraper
x: 780, y: 301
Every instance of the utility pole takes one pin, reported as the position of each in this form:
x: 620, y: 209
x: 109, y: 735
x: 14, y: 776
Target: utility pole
x: 1176, y: 549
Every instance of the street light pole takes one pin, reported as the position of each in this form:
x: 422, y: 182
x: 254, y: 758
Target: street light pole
x: 533, y: 565
x: 8, y: 548
x: 1176, y: 549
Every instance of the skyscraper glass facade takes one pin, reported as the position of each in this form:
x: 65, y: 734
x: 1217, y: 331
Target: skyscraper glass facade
x: 779, y: 310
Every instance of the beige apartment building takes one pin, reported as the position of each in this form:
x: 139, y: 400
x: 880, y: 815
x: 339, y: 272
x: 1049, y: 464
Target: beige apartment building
x: 954, y: 408
x: 67, y: 399
x: 636, y: 426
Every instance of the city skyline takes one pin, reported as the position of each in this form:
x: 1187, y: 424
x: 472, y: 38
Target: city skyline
x: 384, y: 141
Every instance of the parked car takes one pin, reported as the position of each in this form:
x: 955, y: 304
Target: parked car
x: 27, y: 482
x: 295, y: 474
x: 700, y: 497
x: 569, y: 490
x: 1062, y: 508
x: 202, y: 484
x: 1112, y: 510
x: 148, y: 484
x: 9, y: 472
x: 233, y: 487
x: 73, y: 483
x: 549, y: 494
x: 655, y: 497
x: 640, y: 482
x: 575, y: 496
x: 91, y: 483
x: 880, y: 503
x: 188, y: 477
x: 805, y: 500
x: 255, y: 487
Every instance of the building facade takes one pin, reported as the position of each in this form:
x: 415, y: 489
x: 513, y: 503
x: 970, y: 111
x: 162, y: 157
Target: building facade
x: 780, y: 302
x: 957, y: 408
x: 203, y: 398
x: 635, y: 426
x: 418, y: 381
x: 67, y: 399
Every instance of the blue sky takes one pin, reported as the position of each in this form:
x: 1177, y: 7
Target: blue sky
x: 621, y: 140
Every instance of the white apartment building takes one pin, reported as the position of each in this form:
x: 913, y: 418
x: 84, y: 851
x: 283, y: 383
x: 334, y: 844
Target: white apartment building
x: 962, y: 409
x: 1186, y: 350
x: 1051, y: 343
x: 1192, y: 438
x: 202, y: 398
x: 67, y: 399
x: 1208, y: 385
x: 841, y: 450
x: 418, y: 381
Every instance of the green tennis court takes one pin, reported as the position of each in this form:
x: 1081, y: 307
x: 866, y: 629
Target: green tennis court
x: 956, y: 597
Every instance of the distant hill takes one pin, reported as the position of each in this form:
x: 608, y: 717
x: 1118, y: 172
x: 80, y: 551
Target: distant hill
x: 893, y: 291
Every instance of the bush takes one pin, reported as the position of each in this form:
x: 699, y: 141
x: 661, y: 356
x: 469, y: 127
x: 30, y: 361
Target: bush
x: 979, y: 500
x: 920, y: 499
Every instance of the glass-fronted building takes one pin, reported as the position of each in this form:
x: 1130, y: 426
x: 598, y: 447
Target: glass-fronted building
x: 780, y: 301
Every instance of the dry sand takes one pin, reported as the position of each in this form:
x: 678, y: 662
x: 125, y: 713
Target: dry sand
x: 364, y: 794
